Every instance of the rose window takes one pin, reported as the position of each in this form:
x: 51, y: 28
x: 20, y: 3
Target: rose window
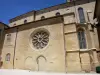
x: 40, y: 39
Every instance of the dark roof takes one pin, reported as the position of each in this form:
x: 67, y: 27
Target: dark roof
x: 5, y: 25
x: 56, y: 7
x: 60, y: 16
x: 48, y: 9
x: 63, y: 5
x: 22, y: 16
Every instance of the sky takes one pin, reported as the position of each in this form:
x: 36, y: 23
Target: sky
x: 12, y: 8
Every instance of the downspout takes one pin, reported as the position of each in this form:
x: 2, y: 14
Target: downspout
x: 15, y: 49
x: 34, y: 16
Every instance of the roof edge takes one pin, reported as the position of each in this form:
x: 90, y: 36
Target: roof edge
x: 60, y: 16
x: 6, y: 26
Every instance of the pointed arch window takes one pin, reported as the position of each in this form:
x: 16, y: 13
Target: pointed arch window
x: 81, y: 15
x: 82, y: 39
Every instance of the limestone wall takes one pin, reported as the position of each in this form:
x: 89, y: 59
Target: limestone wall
x: 21, y: 21
x: 52, y: 57
x: 8, y: 47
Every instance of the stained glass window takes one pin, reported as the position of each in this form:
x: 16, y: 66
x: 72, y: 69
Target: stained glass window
x: 82, y: 39
x: 81, y: 15
x: 40, y: 39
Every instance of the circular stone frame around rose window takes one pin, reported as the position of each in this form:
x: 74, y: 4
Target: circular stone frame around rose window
x: 40, y: 38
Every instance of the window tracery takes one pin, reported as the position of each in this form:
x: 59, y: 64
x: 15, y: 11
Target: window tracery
x: 40, y: 39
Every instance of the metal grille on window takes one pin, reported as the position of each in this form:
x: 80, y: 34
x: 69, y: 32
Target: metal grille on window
x: 40, y: 39
x: 82, y: 40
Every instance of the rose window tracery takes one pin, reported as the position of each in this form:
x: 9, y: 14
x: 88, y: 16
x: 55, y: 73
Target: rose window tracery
x: 40, y: 39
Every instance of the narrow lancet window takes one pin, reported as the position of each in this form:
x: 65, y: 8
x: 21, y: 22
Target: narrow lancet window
x: 82, y: 39
x: 81, y: 15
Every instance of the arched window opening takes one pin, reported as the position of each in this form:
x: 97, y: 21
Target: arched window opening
x: 9, y: 37
x: 81, y: 15
x: 82, y: 39
x: 8, y: 57
x: 14, y: 24
x: 41, y: 62
x: 25, y: 21
x: 43, y: 17
x: 58, y: 13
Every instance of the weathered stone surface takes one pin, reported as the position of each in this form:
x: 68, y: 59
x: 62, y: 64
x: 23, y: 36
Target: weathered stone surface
x: 62, y: 52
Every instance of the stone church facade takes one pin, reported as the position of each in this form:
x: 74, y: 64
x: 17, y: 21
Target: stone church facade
x: 55, y: 39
